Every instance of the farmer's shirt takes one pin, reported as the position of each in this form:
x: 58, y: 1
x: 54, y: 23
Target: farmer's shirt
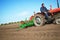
x: 43, y: 9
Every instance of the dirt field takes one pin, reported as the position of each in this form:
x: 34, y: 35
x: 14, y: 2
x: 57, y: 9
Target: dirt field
x: 46, y: 32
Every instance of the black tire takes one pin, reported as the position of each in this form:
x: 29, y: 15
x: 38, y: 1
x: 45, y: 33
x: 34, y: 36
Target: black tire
x: 57, y: 18
x: 39, y: 19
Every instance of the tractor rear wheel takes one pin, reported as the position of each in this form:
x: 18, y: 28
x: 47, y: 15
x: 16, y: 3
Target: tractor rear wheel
x: 57, y: 18
x: 39, y: 19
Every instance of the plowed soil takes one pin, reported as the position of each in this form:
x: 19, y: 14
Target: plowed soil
x: 46, y: 32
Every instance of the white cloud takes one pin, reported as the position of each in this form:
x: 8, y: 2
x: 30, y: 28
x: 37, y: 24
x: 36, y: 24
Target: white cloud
x: 23, y: 15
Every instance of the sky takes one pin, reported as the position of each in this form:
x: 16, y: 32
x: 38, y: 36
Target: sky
x: 17, y: 10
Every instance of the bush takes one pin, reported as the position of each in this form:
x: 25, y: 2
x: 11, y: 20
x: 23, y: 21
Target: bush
x: 2, y: 24
x: 5, y: 23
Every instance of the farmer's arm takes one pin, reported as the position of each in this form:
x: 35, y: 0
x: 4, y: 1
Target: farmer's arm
x: 46, y: 9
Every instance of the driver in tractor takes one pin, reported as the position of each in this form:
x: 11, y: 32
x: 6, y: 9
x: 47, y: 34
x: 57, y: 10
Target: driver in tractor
x: 44, y: 10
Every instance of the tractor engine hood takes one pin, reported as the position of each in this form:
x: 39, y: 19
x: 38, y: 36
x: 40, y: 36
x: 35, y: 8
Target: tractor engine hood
x: 54, y: 10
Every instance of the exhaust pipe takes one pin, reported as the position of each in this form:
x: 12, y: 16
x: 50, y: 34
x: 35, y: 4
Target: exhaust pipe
x: 57, y: 4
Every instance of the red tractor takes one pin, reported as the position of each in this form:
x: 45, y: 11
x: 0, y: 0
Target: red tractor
x: 54, y: 15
